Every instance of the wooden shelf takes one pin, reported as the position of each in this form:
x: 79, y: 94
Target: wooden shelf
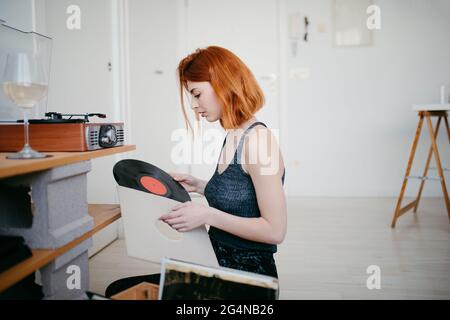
x: 9, y: 168
x: 103, y: 215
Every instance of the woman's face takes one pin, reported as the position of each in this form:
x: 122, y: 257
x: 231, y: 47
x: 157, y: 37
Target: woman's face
x: 204, y: 101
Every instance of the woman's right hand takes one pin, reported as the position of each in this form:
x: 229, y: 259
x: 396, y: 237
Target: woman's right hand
x: 190, y: 183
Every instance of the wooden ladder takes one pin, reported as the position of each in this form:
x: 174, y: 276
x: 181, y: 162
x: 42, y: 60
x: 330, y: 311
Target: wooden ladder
x: 433, y: 150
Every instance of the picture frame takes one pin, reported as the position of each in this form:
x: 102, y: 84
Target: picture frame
x: 350, y: 23
x: 182, y: 280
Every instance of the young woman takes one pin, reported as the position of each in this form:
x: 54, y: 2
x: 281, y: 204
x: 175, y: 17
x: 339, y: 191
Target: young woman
x: 247, y: 207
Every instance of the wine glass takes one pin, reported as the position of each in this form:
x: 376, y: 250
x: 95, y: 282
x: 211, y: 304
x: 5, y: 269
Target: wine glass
x: 25, y: 84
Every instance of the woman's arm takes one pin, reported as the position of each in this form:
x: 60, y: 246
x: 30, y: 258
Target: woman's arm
x: 266, y: 173
x: 201, y: 184
x: 269, y: 228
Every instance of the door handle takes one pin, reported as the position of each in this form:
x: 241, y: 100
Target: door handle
x: 271, y: 77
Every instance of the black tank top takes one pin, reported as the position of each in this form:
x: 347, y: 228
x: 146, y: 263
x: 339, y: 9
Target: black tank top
x: 233, y: 192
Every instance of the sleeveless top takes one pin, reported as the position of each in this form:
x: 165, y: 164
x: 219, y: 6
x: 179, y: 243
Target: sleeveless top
x: 232, y: 191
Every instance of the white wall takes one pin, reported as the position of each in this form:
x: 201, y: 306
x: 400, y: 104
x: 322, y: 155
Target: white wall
x: 350, y: 125
x: 18, y: 13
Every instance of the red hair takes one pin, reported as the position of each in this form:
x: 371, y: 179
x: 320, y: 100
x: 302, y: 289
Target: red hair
x: 234, y: 84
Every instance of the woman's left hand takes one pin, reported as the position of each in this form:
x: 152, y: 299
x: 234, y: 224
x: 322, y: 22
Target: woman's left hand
x: 186, y: 216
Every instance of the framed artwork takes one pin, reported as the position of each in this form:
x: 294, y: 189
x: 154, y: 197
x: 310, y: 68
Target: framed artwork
x: 190, y: 281
x: 350, y: 23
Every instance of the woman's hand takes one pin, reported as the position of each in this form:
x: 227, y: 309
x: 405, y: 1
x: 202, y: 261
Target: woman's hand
x: 190, y: 183
x: 187, y: 216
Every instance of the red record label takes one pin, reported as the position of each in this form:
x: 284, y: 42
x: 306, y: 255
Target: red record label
x: 153, y: 185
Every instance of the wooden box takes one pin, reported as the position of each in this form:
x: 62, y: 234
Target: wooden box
x: 141, y: 291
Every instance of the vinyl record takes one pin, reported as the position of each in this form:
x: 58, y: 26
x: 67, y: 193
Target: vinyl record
x: 145, y: 177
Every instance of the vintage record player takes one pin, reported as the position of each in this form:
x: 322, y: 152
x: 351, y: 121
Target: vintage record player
x: 62, y: 132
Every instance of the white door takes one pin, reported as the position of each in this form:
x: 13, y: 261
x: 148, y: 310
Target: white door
x: 81, y: 81
x: 248, y: 28
x: 154, y: 103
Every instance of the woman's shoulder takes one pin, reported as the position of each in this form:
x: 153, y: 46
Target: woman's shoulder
x: 261, y: 137
x: 261, y: 149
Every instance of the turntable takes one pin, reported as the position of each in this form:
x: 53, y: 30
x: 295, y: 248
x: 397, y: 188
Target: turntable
x: 63, y: 132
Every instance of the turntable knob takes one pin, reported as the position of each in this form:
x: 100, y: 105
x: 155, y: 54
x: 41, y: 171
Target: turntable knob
x: 108, y: 136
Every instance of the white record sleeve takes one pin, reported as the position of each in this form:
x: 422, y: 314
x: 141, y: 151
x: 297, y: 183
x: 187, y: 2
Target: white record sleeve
x: 151, y: 239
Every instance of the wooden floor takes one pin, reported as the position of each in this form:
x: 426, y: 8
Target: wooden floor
x: 329, y: 245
